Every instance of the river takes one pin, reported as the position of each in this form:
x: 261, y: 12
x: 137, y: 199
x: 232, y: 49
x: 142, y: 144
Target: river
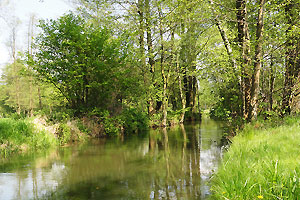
x: 174, y: 163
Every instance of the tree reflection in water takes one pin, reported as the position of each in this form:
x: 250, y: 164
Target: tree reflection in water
x: 165, y: 163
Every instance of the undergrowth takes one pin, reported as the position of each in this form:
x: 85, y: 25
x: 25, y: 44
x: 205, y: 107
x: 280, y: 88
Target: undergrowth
x: 19, y: 135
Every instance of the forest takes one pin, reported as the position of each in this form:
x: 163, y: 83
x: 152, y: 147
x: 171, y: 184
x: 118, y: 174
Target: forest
x: 110, y: 67
x: 167, y: 60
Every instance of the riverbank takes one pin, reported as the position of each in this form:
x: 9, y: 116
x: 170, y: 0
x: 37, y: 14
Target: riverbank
x: 32, y: 134
x: 21, y: 134
x: 262, y: 162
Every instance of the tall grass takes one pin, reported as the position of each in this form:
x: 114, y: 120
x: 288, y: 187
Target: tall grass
x: 21, y: 135
x: 262, y: 163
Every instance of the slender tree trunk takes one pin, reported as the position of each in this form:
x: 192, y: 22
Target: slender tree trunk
x: 30, y: 97
x: 194, y: 96
x: 189, y: 57
x: 16, y: 73
x: 141, y: 33
x: 272, y: 81
x: 257, y: 64
x: 30, y: 36
x: 163, y: 73
x: 292, y: 57
x: 40, y: 98
x: 151, y: 109
x: 244, y: 43
x: 141, y: 11
x: 181, y: 120
x: 224, y: 37
x: 142, y: 37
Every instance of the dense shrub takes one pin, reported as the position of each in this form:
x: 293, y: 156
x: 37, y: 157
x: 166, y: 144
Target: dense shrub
x: 134, y: 120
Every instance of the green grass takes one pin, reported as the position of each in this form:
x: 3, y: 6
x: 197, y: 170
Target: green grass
x: 262, y: 163
x: 21, y: 136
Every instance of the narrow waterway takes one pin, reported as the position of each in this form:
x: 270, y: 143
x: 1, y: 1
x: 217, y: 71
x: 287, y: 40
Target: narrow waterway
x: 173, y: 163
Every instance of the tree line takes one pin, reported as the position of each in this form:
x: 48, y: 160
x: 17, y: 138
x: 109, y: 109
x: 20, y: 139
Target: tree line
x: 169, y: 59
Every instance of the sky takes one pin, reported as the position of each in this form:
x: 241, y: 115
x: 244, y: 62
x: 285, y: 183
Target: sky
x: 23, y: 9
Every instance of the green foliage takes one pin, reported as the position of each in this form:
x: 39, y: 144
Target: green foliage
x: 155, y: 120
x: 82, y: 128
x: 111, y: 124
x: 134, y: 120
x: 21, y: 135
x: 229, y: 105
x: 130, y: 120
x: 84, y: 62
x: 64, y: 133
x: 19, y: 89
x: 262, y: 161
x: 61, y: 115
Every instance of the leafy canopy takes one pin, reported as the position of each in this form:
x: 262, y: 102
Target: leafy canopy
x: 84, y: 62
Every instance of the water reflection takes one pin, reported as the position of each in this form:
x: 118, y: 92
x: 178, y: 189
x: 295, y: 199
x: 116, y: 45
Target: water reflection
x: 161, y: 164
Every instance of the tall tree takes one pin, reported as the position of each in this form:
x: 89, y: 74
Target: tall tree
x: 30, y: 36
x: 84, y: 63
x: 14, y: 23
x: 292, y: 66
x: 244, y: 45
x: 257, y: 61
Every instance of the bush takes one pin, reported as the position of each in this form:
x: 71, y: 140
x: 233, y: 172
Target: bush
x: 130, y: 120
x: 133, y: 120
x: 61, y: 115
x: 111, y: 125
x: 64, y: 133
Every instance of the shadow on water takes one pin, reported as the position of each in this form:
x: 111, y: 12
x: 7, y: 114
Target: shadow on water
x: 171, y: 163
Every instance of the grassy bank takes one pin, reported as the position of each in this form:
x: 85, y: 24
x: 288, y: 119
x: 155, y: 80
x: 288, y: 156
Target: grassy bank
x: 34, y: 134
x: 21, y: 135
x: 262, y: 163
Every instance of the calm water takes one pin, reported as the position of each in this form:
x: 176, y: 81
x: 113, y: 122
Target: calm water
x: 160, y: 164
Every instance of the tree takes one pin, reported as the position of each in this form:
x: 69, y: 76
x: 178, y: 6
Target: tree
x: 257, y: 62
x: 25, y: 99
x: 13, y: 52
x: 83, y: 62
x: 292, y: 54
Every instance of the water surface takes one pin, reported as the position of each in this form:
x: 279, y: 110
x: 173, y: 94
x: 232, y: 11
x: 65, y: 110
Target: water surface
x: 171, y: 163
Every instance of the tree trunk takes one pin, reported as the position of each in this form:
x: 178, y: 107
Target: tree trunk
x: 292, y: 57
x: 183, y: 102
x: 30, y: 36
x: 257, y: 64
x: 189, y: 57
x: 151, y: 109
x: 244, y: 43
x: 272, y: 81
x: 40, y: 98
x: 163, y: 73
x: 16, y: 72
x: 141, y: 8
x: 141, y: 33
x: 224, y: 37
x: 30, y: 97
